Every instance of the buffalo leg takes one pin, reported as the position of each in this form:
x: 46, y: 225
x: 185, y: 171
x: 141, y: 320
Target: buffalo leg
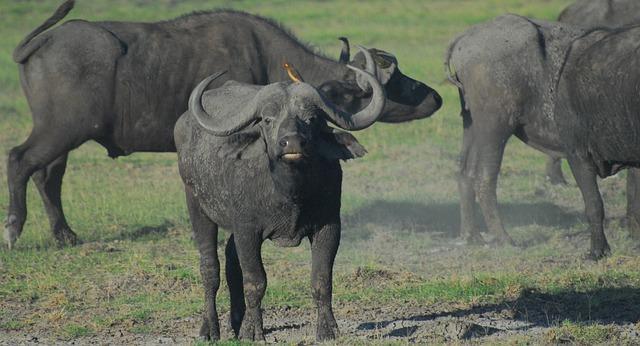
x: 38, y: 151
x: 234, y: 281
x: 205, y: 233
x: 586, y: 179
x: 49, y: 183
x: 633, y: 202
x: 553, y: 171
x: 486, y: 185
x: 468, y: 165
x: 480, y: 162
x: 254, y: 281
x: 324, y: 246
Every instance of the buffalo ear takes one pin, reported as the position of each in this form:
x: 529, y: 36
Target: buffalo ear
x: 386, y: 65
x: 384, y: 74
x: 246, y: 144
x: 334, y: 144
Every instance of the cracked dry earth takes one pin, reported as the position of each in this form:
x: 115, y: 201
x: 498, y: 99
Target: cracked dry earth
x: 486, y: 324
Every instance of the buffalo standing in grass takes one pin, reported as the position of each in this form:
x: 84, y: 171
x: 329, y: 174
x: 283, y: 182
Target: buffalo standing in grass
x: 598, y: 114
x: 504, y: 70
x: 507, y: 71
x: 125, y: 84
x: 262, y: 162
x: 590, y: 14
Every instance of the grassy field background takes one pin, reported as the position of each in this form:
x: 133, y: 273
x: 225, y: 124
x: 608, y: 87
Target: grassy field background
x: 137, y: 271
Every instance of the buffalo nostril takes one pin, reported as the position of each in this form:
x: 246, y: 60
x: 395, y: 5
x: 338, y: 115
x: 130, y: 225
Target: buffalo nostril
x: 303, y: 142
x: 283, y: 142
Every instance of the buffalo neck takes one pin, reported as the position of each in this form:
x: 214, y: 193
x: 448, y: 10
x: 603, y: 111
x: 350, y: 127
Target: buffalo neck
x: 282, y: 47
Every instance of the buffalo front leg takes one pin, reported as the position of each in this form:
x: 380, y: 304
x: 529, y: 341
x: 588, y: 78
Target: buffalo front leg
x: 49, y: 183
x: 633, y: 203
x: 324, y: 246
x: 205, y: 234
x: 233, y: 273
x: 254, y: 281
x: 586, y: 179
x: 553, y: 171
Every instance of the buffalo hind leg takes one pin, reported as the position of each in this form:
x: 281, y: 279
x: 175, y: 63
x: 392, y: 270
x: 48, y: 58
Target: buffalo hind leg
x: 587, y: 181
x: 233, y: 274
x: 205, y: 233
x: 49, y: 183
x: 324, y: 246
x: 491, y: 150
x: 553, y: 171
x: 36, y: 153
x: 468, y: 165
x: 254, y: 281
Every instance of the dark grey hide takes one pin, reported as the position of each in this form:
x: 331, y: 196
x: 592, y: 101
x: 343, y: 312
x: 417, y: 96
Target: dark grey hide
x: 124, y: 85
x: 261, y: 162
x: 591, y: 14
x: 601, y: 13
x: 598, y: 114
x: 505, y: 71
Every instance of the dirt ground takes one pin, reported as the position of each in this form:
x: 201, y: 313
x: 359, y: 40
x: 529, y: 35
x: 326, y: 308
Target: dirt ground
x: 531, y: 317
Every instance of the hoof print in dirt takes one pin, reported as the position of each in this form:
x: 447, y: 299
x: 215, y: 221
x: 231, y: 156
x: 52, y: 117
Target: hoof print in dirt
x: 463, y: 330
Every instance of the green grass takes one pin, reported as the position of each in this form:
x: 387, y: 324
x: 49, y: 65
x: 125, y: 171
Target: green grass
x: 138, y: 269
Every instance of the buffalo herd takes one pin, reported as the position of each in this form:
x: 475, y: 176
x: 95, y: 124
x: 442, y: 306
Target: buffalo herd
x: 259, y: 122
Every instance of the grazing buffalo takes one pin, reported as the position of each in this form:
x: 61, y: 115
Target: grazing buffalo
x: 504, y: 70
x: 124, y: 85
x: 262, y: 162
x: 598, y: 114
x: 593, y: 14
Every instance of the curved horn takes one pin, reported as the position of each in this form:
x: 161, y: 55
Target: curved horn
x: 370, y: 67
x: 217, y: 125
x: 345, y: 53
x: 345, y: 120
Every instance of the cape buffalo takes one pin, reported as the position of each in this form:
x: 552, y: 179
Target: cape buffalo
x: 262, y: 162
x: 504, y: 70
x: 598, y: 114
x: 124, y: 85
x: 593, y: 14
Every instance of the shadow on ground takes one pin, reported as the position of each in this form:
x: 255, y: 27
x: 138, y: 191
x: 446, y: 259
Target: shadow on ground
x: 531, y: 309
x: 143, y: 233
x: 445, y: 218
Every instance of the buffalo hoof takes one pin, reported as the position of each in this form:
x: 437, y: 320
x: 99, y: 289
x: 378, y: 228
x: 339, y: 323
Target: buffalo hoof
x: 65, y: 237
x: 503, y: 240
x: 235, y: 321
x: 11, y: 231
x: 557, y: 180
x: 596, y: 255
x: 633, y: 225
x: 475, y: 239
x: 327, y: 328
x: 251, y: 331
x: 207, y: 333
